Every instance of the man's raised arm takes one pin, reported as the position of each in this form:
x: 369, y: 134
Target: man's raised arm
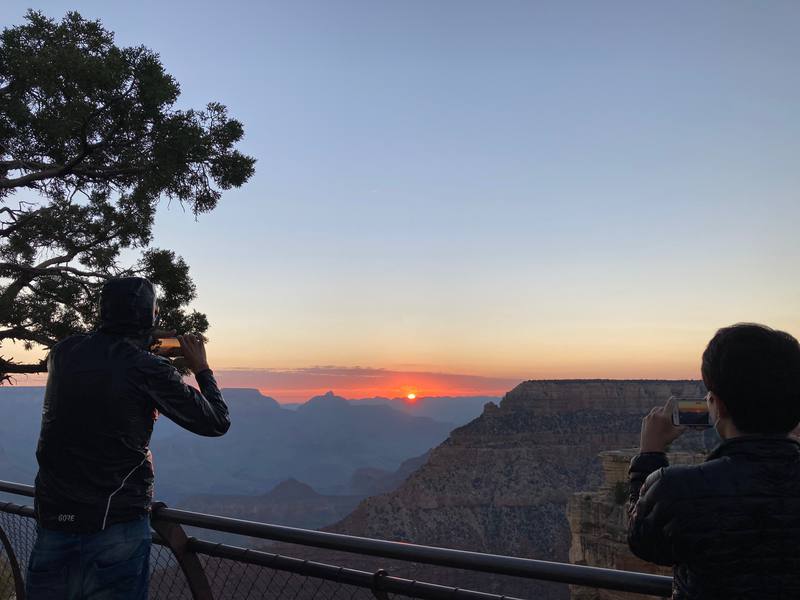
x: 203, y: 412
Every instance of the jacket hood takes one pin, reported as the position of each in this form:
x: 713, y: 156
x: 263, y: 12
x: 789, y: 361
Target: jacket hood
x: 126, y: 306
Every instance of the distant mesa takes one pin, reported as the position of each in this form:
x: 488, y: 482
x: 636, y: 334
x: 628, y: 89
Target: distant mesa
x: 244, y: 398
x: 291, y: 503
x: 456, y: 410
x: 327, y: 401
x: 291, y: 489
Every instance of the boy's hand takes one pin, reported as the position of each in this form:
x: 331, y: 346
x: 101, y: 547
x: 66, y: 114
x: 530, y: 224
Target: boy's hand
x: 658, y: 432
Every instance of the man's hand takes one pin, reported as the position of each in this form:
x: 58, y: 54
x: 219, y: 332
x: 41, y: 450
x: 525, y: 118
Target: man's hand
x: 657, y: 429
x: 194, y: 352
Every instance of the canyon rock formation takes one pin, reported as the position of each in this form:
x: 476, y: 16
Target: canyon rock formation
x: 501, y: 483
x: 598, y: 522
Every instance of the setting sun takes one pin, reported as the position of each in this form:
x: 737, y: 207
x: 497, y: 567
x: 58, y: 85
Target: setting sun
x: 412, y: 396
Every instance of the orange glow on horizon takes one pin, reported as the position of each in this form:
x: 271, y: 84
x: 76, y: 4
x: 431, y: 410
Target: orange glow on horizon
x: 302, y: 389
x: 299, y: 386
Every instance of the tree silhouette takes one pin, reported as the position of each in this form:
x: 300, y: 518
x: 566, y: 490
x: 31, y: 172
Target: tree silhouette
x: 90, y: 142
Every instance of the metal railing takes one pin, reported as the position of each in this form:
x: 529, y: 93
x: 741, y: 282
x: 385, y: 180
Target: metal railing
x: 192, y: 568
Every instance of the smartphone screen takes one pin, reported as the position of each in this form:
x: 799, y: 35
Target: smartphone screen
x: 692, y: 412
x: 168, y: 343
x: 166, y: 346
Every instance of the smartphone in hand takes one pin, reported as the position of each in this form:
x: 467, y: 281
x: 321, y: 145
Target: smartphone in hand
x: 690, y: 412
x: 169, y: 347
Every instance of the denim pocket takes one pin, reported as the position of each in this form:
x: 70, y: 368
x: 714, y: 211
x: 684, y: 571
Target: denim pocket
x: 122, y: 572
x: 46, y: 581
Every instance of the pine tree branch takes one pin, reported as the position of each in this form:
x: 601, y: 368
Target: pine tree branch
x: 29, y: 273
x: 8, y: 368
x: 39, y: 270
x: 20, y: 333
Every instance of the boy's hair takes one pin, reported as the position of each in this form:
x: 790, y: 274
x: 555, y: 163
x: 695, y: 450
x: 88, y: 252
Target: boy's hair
x: 755, y: 371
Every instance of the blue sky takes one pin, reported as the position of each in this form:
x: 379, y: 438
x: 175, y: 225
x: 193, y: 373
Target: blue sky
x: 516, y: 189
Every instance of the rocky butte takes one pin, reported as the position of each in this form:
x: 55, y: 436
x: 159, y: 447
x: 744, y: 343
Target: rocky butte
x: 501, y: 483
x: 598, y: 522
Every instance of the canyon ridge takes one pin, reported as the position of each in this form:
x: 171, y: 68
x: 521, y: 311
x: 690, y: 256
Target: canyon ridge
x: 502, y: 483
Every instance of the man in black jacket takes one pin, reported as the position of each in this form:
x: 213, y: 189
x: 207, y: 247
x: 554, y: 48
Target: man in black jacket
x: 730, y: 526
x: 95, y: 481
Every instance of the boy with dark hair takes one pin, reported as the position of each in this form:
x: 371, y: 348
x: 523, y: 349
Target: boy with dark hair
x: 730, y: 526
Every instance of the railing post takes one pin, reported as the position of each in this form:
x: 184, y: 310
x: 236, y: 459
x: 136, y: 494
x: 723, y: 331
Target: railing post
x: 175, y: 538
x: 377, y: 591
x: 19, y: 583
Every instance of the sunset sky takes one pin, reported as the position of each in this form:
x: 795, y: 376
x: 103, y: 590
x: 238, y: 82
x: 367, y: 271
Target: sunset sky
x: 496, y: 191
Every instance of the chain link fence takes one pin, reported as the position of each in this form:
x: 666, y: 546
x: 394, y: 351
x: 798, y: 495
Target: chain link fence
x: 333, y: 567
x: 234, y: 580
x: 166, y: 578
x: 228, y: 578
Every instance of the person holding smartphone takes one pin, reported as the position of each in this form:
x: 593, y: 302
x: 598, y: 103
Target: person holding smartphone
x: 730, y: 527
x: 95, y: 482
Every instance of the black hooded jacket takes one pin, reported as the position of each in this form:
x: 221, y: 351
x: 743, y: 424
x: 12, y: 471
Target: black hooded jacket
x: 730, y: 526
x: 95, y: 466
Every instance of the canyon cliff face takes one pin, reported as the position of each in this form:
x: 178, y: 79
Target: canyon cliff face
x: 598, y: 522
x: 501, y: 483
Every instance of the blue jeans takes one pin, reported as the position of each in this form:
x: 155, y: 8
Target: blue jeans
x: 113, y: 564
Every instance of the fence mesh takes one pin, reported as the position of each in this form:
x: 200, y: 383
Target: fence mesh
x: 167, y: 581
x: 21, y: 533
x: 491, y: 583
x: 229, y: 579
x: 235, y: 580
x: 6, y: 577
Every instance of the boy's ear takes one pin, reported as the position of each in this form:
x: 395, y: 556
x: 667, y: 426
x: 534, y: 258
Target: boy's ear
x: 722, y: 410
